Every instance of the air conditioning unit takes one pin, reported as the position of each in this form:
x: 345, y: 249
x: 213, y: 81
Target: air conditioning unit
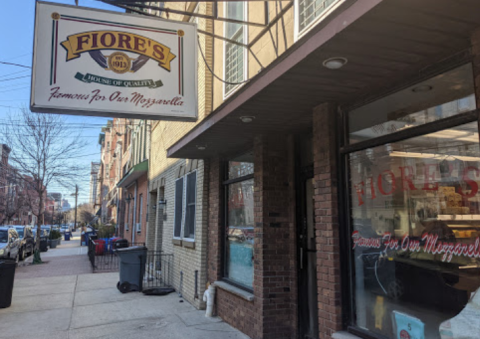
x: 126, y: 226
x: 139, y: 227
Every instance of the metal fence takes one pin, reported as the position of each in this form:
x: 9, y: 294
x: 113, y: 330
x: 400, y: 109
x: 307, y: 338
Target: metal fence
x: 158, y: 265
x: 103, y: 257
x: 158, y: 270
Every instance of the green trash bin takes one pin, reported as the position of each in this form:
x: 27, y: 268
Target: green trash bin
x: 132, y: 268
x: 7, y: 276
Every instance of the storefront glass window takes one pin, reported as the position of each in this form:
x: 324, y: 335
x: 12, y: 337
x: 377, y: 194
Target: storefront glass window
x: 440, y: 97
x: 415, y: 211
x: 240, y: 221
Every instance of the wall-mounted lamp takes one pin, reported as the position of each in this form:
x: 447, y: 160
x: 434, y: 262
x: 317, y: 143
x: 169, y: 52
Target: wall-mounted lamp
x: 129, y: 198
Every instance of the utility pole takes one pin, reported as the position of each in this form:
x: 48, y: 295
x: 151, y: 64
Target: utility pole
x: 76, y: 197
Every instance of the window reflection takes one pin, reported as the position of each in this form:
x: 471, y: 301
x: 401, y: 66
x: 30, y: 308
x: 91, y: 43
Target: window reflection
x: 416, y: 228
x: 440, y: 97
x: 240, y: 221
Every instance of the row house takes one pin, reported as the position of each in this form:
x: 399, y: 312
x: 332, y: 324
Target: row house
x: 330, y: 187
x: 4, y: 182
x: 135, y: 151
x: 122, y: 177
x: 94, y: 167
x: 17, y: 198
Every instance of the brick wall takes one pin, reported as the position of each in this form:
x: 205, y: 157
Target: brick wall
x: 164, y: 171
x: 326, y: 221
x: 215, y: 214
x: 188, y: 257
x: 272, y: 314
x: 242, y: 314
x: 142, y: 188
x: 275, y: 236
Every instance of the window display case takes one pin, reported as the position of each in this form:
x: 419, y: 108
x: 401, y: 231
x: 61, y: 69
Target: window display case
x: 415, y: 211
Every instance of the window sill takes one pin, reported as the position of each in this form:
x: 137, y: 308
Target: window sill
x: 188, y: 244
x: 235, y: 290
x: 344, y: 335
x: 177, y: 242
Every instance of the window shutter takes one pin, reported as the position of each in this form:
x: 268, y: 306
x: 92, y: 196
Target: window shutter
x: 189, y: 230
x: 178, y: 207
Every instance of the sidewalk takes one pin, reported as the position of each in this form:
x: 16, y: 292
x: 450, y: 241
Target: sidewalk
x: 51, y: 303
x: 90, y: 306
x: 69, y: 258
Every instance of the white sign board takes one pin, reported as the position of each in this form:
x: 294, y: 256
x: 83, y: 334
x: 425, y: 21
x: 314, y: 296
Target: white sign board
x: 102, y: 63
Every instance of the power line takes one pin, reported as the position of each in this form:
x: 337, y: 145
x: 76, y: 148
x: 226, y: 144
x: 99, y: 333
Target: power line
x: 14, y: 64
x: 13, y: 73
x: 19, y: 56
x: 15, y: 78
x: 14, y: 89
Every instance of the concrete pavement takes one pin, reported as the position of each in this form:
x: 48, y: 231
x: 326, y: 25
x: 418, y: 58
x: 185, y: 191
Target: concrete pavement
x: 69, y: 258
x: 49, y: 303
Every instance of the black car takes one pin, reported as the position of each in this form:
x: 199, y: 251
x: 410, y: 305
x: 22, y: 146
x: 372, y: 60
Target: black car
x: 27, y: 241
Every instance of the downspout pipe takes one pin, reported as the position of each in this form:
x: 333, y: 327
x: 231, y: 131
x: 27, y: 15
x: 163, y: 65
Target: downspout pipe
x: 134, y: 223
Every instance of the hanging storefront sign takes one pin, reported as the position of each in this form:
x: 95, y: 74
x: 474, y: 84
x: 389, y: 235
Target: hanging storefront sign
x: 101, y: 63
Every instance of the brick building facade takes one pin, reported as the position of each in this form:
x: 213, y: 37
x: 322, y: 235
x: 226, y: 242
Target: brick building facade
x: 312, y: 121
x: 309, y: 152
x: 182, y: 181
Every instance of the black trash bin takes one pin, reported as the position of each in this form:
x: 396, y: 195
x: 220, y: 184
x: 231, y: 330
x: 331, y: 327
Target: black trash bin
x: 120, y: 243
x: 132, y: 268
x: 7, y: 276
x: 43, y: 244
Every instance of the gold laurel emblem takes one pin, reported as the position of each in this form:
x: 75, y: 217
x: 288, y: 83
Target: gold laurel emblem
x: 55, y: 16
x: 180, y: 32
x: 119, y: 62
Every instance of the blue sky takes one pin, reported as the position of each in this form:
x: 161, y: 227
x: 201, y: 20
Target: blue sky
x: 16, y: 41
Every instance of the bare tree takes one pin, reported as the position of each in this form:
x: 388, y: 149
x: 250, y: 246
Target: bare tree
x: 85, y: 213
x: 14, y: 201
x: 42, y: 148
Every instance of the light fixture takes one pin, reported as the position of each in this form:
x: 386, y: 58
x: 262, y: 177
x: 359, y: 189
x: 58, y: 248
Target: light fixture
x: 422, y: 88
x: 247, y: 118
x: 129, y: 198
x: 433, y: 156
x: 201, y: 147
x: 335, y: 62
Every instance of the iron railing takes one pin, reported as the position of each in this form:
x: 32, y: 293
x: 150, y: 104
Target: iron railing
x: 158, y: 270
x: 103, y: 257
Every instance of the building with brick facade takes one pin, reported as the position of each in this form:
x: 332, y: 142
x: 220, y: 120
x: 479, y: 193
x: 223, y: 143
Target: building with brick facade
x: 4, y: 182
x: 177, y: 212
x: 335, y: 167
x: 94, y: 167
x: 133, y: 181
x: 342, y: 177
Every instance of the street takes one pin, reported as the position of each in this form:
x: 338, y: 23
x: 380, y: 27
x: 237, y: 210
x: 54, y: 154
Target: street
x: 63, y: 299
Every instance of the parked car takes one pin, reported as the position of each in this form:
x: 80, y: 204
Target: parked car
x: 65, y: 228
x: 46, y: 228
x: 26, y: 239
x: 9, y: 243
